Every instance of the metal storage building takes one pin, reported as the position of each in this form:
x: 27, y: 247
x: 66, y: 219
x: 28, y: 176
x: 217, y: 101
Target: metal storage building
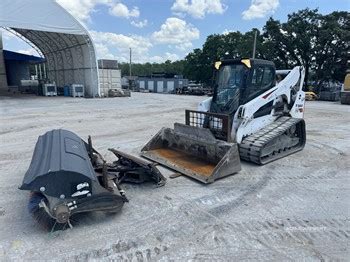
x: 57, y: 36
x: 161, y: 83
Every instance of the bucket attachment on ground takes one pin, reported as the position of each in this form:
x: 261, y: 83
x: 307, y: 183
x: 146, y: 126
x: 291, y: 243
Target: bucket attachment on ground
x: 193, y: 151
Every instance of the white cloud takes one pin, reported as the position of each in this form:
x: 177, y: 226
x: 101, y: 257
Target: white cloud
x: 260, y: 8
x: 184, y: 46
x: 161, y: 59
x: 156, y: 59
x: 140, y: 24
x: 116, y: 46
x: 283, y: 32
x: 121, y: 41
x: 176, y: 32
x: 227, y: 31
x: 103, y: 52
x: 82, y: 9
x: 171, y: 57
x: 122, y: 10
x: 198, y: 8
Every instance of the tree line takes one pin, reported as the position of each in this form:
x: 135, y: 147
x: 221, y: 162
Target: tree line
x: 169, y: 67
x: 321, y: 43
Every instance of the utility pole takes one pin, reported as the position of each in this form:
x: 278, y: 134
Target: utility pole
x: 130, y: 81
x: 130, y: 64
x: 254, y: 45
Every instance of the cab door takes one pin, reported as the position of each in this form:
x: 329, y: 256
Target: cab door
x: 261, y: 79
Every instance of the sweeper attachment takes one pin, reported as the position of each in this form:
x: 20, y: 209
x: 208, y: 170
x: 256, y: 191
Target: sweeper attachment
x: 68, y: 176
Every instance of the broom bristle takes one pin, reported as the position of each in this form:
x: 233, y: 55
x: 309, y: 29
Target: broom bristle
x: 40, y: 215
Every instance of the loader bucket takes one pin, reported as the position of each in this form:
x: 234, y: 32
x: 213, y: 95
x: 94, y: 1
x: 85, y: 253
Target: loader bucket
x: 194, y: 152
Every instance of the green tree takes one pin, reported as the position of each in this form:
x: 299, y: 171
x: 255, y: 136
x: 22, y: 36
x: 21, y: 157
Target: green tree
x: 194, y: 66
x: 294, y: 41
x: 138, y: 69
x: 274, y: 45
x: 332, y: 47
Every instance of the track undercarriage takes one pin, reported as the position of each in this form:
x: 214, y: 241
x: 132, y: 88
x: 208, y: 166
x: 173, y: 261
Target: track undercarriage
x: 283, y: 137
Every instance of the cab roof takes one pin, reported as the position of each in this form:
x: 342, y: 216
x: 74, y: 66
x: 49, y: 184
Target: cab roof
x: 252, y: 61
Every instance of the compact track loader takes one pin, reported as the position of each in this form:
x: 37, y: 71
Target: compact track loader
x: 250, y: 117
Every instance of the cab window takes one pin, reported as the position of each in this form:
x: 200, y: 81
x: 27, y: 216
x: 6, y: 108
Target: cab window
x: 261, y: 79
x: 257, y: 76
x: 268, y: 76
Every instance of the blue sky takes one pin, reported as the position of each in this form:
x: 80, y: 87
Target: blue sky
x: 157, y: 30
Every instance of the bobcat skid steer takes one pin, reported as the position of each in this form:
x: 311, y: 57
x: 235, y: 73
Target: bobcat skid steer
x: 249, y: 117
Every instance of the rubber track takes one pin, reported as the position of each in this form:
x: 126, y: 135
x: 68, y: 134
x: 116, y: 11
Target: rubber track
x: 251, y: 146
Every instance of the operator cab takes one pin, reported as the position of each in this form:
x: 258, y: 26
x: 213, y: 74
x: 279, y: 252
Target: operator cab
x: 238, y: 81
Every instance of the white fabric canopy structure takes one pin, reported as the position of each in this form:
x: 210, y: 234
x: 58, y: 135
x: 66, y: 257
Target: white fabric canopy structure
x: 57, y: 36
